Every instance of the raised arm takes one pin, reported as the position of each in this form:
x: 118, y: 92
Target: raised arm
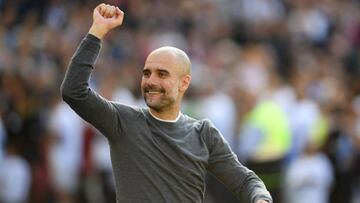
x: 75, y: 87
x: 241, y: 181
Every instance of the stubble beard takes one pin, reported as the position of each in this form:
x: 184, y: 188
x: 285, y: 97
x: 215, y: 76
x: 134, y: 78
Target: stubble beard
x: 159, y: 104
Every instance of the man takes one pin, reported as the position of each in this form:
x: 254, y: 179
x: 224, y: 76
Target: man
x: 158, y: 154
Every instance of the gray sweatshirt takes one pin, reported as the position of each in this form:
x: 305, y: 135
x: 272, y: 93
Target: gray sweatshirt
x: 153, y: 160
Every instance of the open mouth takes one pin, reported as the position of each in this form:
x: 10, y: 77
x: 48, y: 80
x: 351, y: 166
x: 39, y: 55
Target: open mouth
x: 153, y: 93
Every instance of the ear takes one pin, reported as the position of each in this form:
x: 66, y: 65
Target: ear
x: 184, y: 83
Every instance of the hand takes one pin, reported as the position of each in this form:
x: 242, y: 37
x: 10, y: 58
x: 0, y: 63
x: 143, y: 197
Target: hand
x: 105, y: 18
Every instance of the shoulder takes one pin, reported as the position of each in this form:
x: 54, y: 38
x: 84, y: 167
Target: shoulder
x: 208, y: 126
x: 125, y: 110
x: 199, y: 124
x: 126, y: 107
x: 205, y: 128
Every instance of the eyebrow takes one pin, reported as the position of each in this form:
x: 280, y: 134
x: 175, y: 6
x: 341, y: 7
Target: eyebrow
x: 163, y: 71
x: 156, y: 70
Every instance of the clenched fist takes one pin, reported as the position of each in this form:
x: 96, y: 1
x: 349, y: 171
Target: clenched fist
x: 105, y: 18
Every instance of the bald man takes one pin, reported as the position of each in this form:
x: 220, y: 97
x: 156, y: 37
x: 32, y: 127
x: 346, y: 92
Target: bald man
x: 158, y: 154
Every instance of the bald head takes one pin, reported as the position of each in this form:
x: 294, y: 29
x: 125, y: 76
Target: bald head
x: 179, y: 55
x: 166, y: 77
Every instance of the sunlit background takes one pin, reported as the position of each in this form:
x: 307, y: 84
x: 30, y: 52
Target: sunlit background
x: 279, y: 78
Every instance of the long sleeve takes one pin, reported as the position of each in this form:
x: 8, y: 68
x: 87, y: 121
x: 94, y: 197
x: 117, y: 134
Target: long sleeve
x: 224, y: 165
x: 75, y: 90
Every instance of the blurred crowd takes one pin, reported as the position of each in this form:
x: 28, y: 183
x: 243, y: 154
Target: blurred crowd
x: 279, y: 78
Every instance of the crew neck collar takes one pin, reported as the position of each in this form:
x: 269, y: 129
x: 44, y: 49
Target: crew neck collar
x: 167, y: 121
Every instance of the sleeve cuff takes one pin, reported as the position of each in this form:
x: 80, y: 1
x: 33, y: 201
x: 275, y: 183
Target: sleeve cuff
x: 92, y: 38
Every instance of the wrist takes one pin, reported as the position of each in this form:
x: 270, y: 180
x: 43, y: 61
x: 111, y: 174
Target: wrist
x: 99, y: 33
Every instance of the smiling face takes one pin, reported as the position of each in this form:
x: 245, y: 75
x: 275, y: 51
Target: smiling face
x: 166, y: 76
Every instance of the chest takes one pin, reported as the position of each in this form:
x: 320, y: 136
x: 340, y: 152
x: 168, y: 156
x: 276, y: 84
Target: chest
x: 164, y: 147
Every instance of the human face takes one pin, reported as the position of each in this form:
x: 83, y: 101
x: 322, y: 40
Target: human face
x: 160, y: 82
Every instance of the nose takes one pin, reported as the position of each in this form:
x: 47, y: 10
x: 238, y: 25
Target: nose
x: 152, y: 80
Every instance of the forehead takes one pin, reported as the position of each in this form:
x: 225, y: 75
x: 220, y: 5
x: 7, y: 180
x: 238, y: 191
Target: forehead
x: 163, y: 60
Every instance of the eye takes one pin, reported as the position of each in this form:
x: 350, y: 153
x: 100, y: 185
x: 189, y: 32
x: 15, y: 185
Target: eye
x: 146, y: 73
x: 163, y: 74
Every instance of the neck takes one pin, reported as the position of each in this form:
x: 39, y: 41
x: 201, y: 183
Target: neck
x: 165, y: 115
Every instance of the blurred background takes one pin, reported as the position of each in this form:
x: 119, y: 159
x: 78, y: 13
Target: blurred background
x: 279, y: 78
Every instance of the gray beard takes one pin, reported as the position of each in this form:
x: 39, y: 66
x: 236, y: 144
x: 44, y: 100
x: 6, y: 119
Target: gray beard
x: 160, y: 106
